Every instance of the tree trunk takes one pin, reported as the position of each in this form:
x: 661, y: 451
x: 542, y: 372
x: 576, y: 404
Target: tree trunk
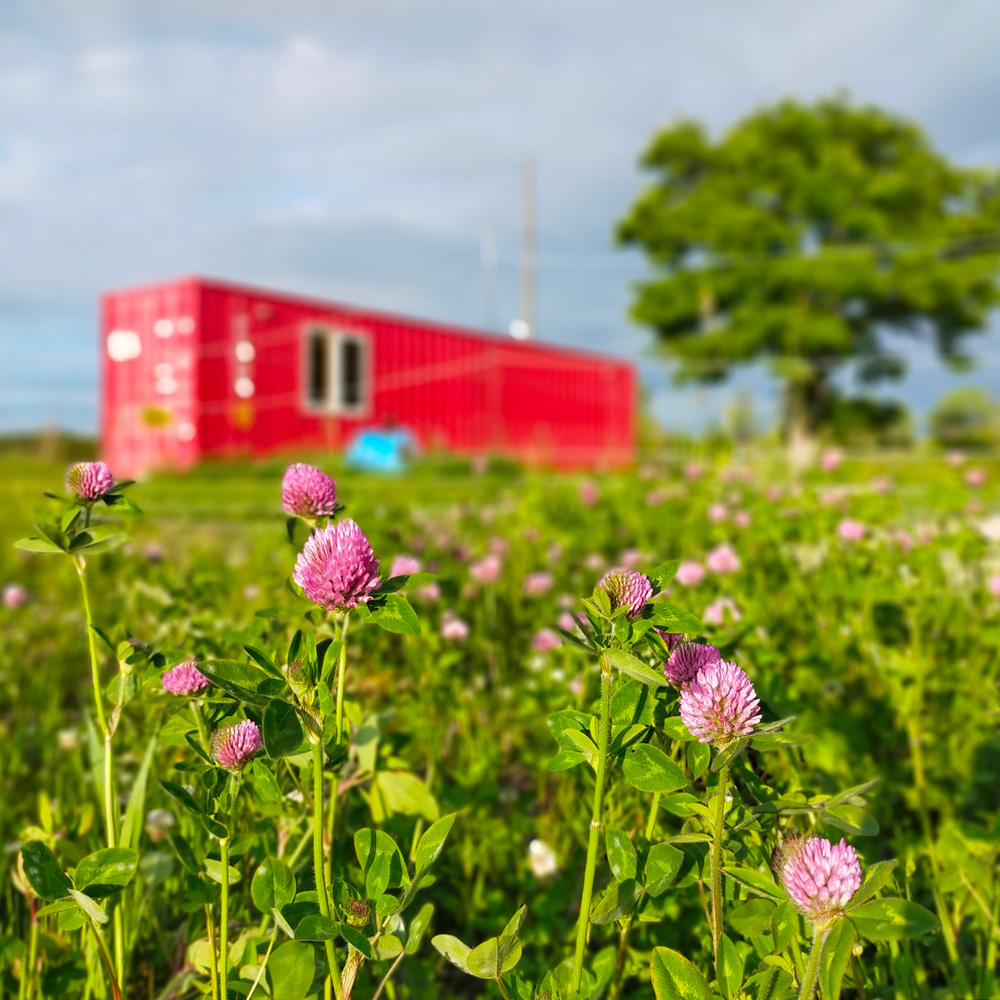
x: 804, y: 399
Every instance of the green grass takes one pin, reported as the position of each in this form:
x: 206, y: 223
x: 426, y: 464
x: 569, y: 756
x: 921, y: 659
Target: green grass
x: 888, y: 658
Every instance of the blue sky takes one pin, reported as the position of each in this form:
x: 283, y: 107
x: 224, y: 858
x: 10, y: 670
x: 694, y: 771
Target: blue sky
x: 357, y: 150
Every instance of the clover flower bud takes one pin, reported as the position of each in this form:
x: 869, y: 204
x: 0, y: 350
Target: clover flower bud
x: 820, y: 877
x: 357, y: 912
x: 454, y: 628
x: 308, y: 492
x: 233, y: 746
x: 723, y: 560
x: 686, y: 659
x: 627, y: 588
x: 185, y: 678
x: 830, y: 460
x: 720, y: 704
x: 404, y: 566
x: 717, y: 513
x: 720, y: 610
x: 337, y: 568
x: 670, y: 639
x: 89, y: 480
x: 487, y: 569
x: 14, y: 596
x: 690, y: 573
x: 545, y: 640
x: 536, y: 584
x: 850, y: 530
x: 298, y: 681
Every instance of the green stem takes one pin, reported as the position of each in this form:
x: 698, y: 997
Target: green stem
x: 717, y: 839
x: 116, y: 992
x: 199, y: 721
x: 320, y: 875
x: 857, y: 974
x: 263, y: 965
x: 92, y: 642
x: 28, y: 968
x: 614, y: 990
x: 110, y: 818
x: 388, y: 975
x: 808, y: 988
x: 583, y: 921
x: 341, y: 673
x: 118, y: 922
x: 212, y: 958
x: 224, y: 922
x: 339, y: 722
x: 654, y: 808
x: 292, y: 859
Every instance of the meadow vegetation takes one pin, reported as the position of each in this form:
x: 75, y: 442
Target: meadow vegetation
x: 463, y: 758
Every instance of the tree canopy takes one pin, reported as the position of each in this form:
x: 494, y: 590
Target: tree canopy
x: 804, y: 236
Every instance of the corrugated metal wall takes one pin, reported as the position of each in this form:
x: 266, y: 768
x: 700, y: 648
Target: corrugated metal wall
x: 240, y: 372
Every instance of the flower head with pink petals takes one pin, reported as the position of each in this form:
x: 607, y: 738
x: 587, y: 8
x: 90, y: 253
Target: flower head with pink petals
x: 820, y: 877
x: 720, y: 704
x: 185, y: 678
x: 627, y: 588
x: 337, y: 568
x: 233, y: 746
x: 308, y: 492
x: 686, y: 659
x: 89, y: 480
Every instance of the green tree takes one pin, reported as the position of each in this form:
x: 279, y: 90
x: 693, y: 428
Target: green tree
x: 967, y: 417
x: 805, y: 236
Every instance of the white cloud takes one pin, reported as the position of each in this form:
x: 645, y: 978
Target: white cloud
x: 356, y: 149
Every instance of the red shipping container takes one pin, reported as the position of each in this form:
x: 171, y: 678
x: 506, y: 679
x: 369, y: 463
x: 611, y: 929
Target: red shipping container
x: 196, y: 368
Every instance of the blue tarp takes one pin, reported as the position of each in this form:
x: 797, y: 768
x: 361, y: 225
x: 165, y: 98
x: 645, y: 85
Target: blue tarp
x: 381, y: 449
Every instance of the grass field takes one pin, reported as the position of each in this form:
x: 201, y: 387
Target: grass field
x: 858, y: 600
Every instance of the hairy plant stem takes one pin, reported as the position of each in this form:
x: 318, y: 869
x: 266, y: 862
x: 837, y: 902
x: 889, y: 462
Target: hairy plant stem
x: 341, y: 673
x: 95, y: 674
x: 321, y: 884
x: 199, y: 721
x: 212, y: 958
x: 224, y: 921
x: 28, y: 967
x: 335, y: 977
x: 331, y: 823
x: 808, y: 989
x: 583, y: 921
x: 717, y: 839
x: 110, y: 817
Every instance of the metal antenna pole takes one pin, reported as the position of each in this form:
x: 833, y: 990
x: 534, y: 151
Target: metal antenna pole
x: 488, y: 257
x: 528, y: 249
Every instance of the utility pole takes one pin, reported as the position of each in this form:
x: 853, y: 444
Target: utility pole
x: 528, y: 249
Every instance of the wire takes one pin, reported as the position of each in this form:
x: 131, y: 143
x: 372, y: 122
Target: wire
x: 975, y: 244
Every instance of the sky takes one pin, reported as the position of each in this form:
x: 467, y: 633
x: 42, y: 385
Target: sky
x: 359, y: 151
